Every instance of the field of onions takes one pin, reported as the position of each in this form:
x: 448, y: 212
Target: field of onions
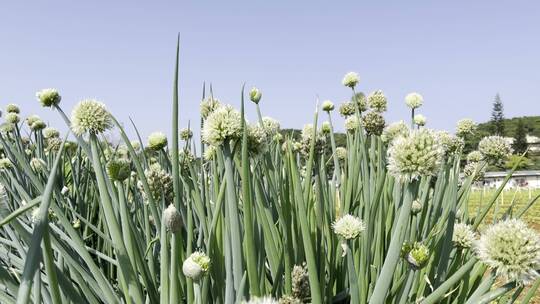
x: 249, y: 214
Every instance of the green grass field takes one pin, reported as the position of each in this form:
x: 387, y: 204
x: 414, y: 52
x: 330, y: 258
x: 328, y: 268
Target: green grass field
x: 519, y: 199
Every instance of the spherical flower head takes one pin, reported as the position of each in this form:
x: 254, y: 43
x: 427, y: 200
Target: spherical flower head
x: 225, y: 123
x: 300, y: 282
x: 474, y: 169
x: 512, y: 248
x: 185, y: 134
x: 451, y: 144
x: 160, y: 183
x: 271, y: 126
x: 196, y: 265
x: 136, y: 145
x: 32, y: 119
x: 209, y: 105
x: 359, y: 99
x: 347, y: 109
x: 307, y: 136
x: 38, y: 165
x: 5, y: 164
x: 341, y: 153
x: 263, y: 300
x: 172, y: 219
x: 465, y: 127
x: 413, y: 156
x: 418, y: 256
x: 327, y: 106
x: 351, y: 124
x: 50, y: 133
x: 416, y: 206
x: 420, y: 120
x: 394, y: 130
x: 377, y: 101
x: 277, y: 138
x: 157, y: 141
x: 119, y: 169
x: 90, y: 116
x: 373, y: 123
x: 494, y: 149
x: 53, y: 144
x: 326, y: 128
x: 48, y: 97
x: 13, y: 118
x: 209, y: 153
x: 414, y: 100
x: 257, y: 139
x: 13, y: 108
x: 350, y: 80
x: 474, y: 157
x: 38, y: 125
x: 348, y: 227
x: 255, y: 95
x: 463, y: 236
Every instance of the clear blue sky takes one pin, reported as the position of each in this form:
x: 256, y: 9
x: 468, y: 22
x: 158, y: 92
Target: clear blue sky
x: 457, y: 54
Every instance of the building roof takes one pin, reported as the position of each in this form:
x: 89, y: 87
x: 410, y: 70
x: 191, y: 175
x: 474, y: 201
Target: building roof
x: 528, y: 173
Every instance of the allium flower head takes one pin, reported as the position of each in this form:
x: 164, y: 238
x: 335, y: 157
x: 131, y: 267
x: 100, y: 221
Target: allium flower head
x: 394, y: 130
x: 377, y: 101
x: 416, y: 254
x: 465, y: 127
x: 38, y: 165
x: 255, y: 95
x: 341, y: 153
x: 306, y: 137
x: 451, y: 144
x: 5, y: 163
x: 512, y: 248
x: 271, y: 126
x: 157, y: 141
x: 13, y: 108
x: 160, y: 183
x: 494, y: 148
x: 326, y: 128
x: 38, y: 125
x: 50, y: 133
x: 463, y: 236
x: 209, y: 153
x: 327, y: 106
x: 373, y: 123
x: 186, y: 134
x: 414, y: 100
x: 348, y: 227
x: 136, y: 145
x: 13, y: 118
x: 172, y: 219
x: 350, y: 80
x: 300, y: 282
x: 351, y: 124
x: 360, y: 100
x: 224, y: 123
x: 416, y: 206
x: 474, y: 157
x: 420, y: 120
x: 90, y: 116
x: 418, y: 154
x: 119, y: 169
x: 196, y: 265
x: 32, y: 119
x: 209, y: 105
x: 48, y: 97
x: 347, y: 109
x: 257, y: 139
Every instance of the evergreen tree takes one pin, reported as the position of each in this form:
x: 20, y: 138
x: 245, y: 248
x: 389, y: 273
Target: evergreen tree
x: 497, y: 116
x: 520, y: 138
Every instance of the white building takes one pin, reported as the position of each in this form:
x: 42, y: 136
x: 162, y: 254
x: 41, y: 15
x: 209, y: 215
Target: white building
x: 523, y: 179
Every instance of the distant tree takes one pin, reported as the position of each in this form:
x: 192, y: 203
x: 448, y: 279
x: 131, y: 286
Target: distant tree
x: 497, y: 116
x: 522, y: 163
x: 520, y: 138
